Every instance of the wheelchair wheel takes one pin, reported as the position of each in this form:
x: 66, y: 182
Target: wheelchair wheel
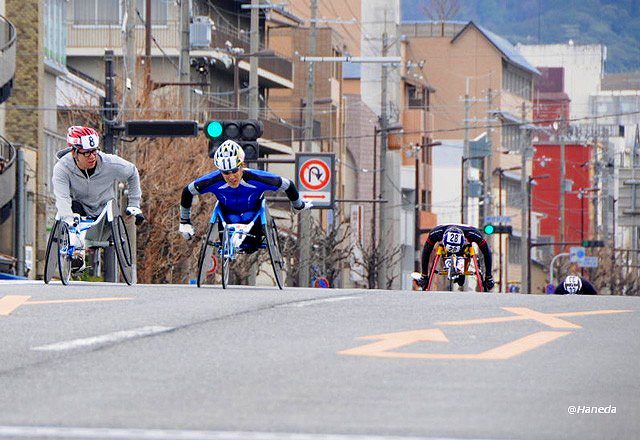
x: 51, y: 256
x: 122, y: 245
x: 208, y: 255
x: 275, y: 253
x: 64, y: 259
x: 225, y: 260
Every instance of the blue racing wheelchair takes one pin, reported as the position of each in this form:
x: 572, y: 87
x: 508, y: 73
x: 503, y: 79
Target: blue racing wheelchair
x: 223, y: 242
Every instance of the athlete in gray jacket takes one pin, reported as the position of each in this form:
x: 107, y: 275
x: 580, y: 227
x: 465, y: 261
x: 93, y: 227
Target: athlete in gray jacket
x: 83, y: 180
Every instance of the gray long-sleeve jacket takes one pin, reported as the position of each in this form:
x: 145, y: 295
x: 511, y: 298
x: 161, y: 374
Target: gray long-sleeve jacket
x: 93, y: 192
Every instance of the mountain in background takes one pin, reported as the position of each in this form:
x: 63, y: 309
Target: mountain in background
x: 614, y: 23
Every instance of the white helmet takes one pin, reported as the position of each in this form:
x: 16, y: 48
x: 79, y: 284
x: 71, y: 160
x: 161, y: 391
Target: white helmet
x: 228, y: 156
x: 572, y: 284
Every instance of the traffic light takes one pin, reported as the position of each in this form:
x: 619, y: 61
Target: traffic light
x: 244, y: 131
x: 161, y: 128
x: 490, y: 228
x: 592, y: 243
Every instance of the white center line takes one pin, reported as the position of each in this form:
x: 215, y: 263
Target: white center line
x: 109, y: 338
x: 313, y: 302
x: 170, y: 434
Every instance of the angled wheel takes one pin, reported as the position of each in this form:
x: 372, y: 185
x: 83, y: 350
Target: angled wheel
x: 270, y: 231
x: 51, y: 257
x: 207, y: 261
x: 122, y: 246
x: 64, y: 259
x: 226, y: 259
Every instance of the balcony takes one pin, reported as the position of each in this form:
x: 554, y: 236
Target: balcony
x: 7, y: 58
x: 276, y: 65
x: 7, y: 171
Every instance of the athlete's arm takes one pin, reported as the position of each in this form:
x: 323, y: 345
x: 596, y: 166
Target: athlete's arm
x: 62, y: 190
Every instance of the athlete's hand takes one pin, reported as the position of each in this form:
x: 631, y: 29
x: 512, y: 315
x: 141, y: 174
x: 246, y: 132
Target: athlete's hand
x: 187, y: 231
x: 71, y: 220
x: 488, y: 283
x: 302, y: 205
x: 137, y: 212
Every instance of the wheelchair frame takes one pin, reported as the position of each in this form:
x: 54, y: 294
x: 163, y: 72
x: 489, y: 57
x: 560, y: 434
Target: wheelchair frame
x: 60, y: 251
x: 227, y: 252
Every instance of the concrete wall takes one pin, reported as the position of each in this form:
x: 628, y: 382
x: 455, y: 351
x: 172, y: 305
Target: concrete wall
x: 583, y: 69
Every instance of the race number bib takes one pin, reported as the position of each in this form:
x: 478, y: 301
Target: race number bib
x: 90, y: 142
x: 454, y: 238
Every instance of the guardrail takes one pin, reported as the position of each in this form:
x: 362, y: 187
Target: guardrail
x: 7, y: 57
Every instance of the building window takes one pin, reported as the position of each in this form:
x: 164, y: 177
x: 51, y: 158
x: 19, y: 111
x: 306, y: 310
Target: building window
x: 416, y: 97
x: 514, y: 193
x: 110, y: 12
x: 515, y: 250
x: 516, y: 81
x: 55, y: 36
x: 510, y: 136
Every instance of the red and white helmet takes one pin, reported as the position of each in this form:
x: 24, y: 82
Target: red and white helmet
x: 85, y: 138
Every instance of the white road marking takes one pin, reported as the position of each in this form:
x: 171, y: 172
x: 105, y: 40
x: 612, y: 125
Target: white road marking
x: 109, y: 338
x: 170, y: 434
x: 313, y: 302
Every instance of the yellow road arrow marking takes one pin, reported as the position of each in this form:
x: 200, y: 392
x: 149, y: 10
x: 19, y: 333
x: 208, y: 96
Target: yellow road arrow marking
x: 62, y: 301
x: 550, y: 319
x: 9, y: 303
x: 392, y: 341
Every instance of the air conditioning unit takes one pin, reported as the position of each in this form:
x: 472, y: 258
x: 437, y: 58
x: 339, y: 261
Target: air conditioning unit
x: 200, y: 32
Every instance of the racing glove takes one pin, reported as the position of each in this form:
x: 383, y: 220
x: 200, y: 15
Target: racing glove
x: 71, y: 220
x: 422, y: 280
x: 137, y: 212
x: 186, y: 229
x: 300, y: 205
x: 488, y: 283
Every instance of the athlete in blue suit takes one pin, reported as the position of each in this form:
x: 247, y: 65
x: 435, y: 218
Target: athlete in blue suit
x: 239, y: 191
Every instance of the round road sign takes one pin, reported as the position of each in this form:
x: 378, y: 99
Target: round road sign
x: 314, y: 175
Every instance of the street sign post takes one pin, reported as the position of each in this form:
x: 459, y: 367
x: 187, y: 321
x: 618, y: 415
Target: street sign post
x: 576, y: 254
x: 589, y: 262
x: 315, y: 178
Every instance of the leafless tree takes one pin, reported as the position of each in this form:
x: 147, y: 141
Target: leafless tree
x: 441, y: 11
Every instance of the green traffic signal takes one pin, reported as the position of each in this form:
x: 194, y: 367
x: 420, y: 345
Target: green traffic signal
x: 489, y: 229
x: 213, y: 129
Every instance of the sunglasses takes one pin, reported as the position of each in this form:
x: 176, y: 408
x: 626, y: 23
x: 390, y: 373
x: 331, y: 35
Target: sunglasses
x: 87, y: 153
x: 228, y: 172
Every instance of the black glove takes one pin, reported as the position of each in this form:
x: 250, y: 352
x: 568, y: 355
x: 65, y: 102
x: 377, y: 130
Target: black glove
x: 488, y: 283
x: 423, y: 282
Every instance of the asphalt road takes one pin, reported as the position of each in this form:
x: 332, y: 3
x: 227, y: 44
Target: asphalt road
x: 180, y: 362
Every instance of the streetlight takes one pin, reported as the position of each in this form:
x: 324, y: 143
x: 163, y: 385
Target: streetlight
x: 501, y: 172
x: 530, y: 179
x: 462, y: 182
x: 418, y: 230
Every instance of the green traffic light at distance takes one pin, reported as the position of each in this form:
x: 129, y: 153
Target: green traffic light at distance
x: 214, y: 129
x: 489, y: 229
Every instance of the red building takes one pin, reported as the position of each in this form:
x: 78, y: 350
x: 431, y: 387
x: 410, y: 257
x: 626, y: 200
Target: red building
x: 551, y: 108
x: 546, y: 193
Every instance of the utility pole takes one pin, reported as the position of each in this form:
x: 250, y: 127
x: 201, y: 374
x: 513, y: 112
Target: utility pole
x: 563, y: 182
x: 488, y: 170
x: 465, y: 153
x: 305, y: 216
x: 184, y: 74
x: 147, y: 48
x: 524, y: 188
x: 129, y: 86
x: 254, y: 47
x: 384, y: 186
x: 109, y: 114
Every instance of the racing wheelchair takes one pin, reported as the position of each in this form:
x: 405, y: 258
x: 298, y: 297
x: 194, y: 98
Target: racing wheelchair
x: 453, y: 266
x: 223, y: 241
x: 106, y: 230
